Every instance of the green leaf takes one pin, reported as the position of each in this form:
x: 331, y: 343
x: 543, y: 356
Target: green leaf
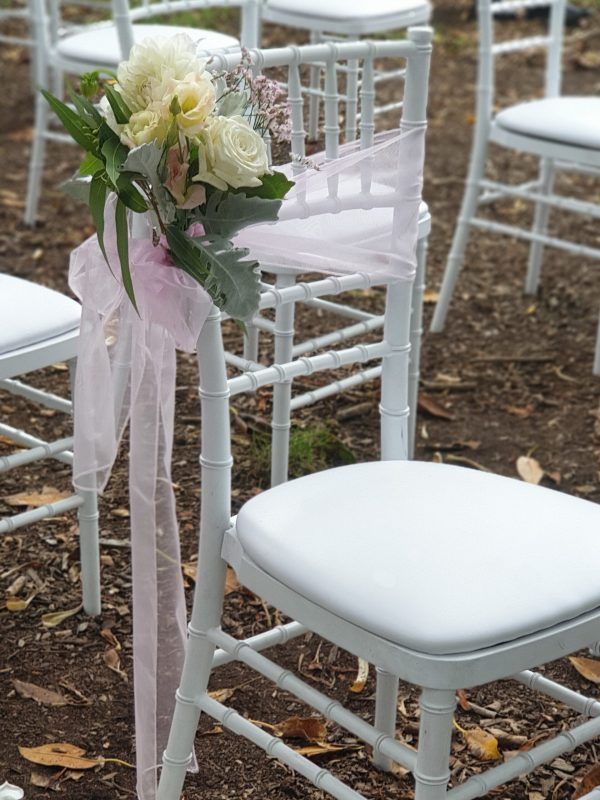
x: 123, y: 249
x: 227, y: 213
x: 146, y: 160
x: 78, y: 188
x: 129, y: 195
x: 273, y: 187
x: 87, y: 111
x: 119, y: 107
x: 232, y: 280
x: 97, y: 203
x: 89, y: 83
x: 91, y: 165
x: 74, y: 125
x: 114, y: 154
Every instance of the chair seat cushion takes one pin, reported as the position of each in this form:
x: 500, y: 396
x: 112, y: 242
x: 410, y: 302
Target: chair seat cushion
x: 99, y: 46
x: 436, y: 558
x: 336, y: 16
x: 31, y: 314
x: 567, y: 120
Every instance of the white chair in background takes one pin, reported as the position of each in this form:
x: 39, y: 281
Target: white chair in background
x: 327, y: 20
x: 39, y: 327
x: 104, y: 45
x: 362, y: 556
x: 563, y: 131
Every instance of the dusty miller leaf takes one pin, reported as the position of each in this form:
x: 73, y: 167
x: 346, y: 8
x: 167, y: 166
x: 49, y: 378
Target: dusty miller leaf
x: 228, y: 212
x: 145, y: 160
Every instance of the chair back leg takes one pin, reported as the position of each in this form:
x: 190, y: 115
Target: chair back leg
x: 540, y: 226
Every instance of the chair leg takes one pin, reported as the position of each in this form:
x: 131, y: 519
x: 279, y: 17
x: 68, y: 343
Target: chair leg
x: 282, y: 392
x: 386, y: 699
x: 313, y: 101
x: 596, y: 369
x: 351, y: 99
x: 89, y: 548
x: 461, y: 233
x: 416, y: 333
x: 36, y: 162
x: 540, y: 225
x: 251, y: 342
x: 435, y: 736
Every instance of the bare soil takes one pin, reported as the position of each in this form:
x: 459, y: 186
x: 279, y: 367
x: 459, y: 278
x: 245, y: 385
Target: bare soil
x: 510, y: 376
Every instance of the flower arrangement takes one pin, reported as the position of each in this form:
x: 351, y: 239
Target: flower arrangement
x: 172, y: 138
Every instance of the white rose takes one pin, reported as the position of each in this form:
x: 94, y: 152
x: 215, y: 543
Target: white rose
x: 149, y: 125
x: 230, y: 153
x: 196, y: 97
x: 152, y: 65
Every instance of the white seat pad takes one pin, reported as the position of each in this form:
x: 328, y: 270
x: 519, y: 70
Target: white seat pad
x: 374, y: 14
x: 31, y: 314
x: 99, y: 46
x: 567, y: 120
x: 437, y: 558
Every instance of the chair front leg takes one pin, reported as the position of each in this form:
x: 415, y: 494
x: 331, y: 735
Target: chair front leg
x: 540, y: 225
x: 435, y: 736
x: 386, y: 699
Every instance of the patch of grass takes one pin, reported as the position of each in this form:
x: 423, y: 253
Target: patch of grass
x: 311, y: 450
x: 222, y: 20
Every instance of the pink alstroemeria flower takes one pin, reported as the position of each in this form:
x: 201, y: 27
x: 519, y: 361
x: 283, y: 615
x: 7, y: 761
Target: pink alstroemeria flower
x: 176, y: 181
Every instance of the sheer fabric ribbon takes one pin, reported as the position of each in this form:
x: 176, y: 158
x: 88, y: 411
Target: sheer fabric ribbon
x: 126, y: 373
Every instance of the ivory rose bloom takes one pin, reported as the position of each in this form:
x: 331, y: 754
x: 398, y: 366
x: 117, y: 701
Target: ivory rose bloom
x: 153, y: 64
x: 231, y: 154
x: 149, y: 125
x: 196, y: 97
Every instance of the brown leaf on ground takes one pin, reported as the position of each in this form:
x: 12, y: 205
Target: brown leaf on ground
x: 529, y: 469
x: 590, y: 781
x: 55, y: 618
x: 36, y: 499
x: 45, y: 697
x: 463, y: 700
x: 58, y: 754
x: 220, y: 695
x: 313, y: 729
x: 481, y: 744
x: 231, y: 582
x: 361, y: 676
x: 433, y: 408
x: 109, y: 636
x: 324, y: 747
x: 113, y: 662
x: 588, y: 667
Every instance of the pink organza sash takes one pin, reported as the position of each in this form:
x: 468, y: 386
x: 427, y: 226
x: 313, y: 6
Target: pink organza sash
x: 126, y: 372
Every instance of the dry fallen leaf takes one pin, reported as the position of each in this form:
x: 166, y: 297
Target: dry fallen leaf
x: 313, y: 729
x: 113, y: 662
x: 529, y: 469
x: 58, y: 754
x: 323, y: 747
x: 45, y: 697
x: 231, y: 582
x: 361, y: 676
x: 483, y: 745
x: 590, y: 781
x: 220, y: 695
x: 17, y: 603
x: 588, y: 667
x: 54, y: 618
x: 36, y: 499
x: 463, y: 700
x: 432, y: 407
x: 107, y: 634
x: 45, y: 780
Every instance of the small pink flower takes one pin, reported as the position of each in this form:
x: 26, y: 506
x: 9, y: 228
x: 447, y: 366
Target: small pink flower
x: 176, y: 182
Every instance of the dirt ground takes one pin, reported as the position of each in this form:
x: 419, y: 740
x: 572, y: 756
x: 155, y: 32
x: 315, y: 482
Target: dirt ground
x: 511, y: 376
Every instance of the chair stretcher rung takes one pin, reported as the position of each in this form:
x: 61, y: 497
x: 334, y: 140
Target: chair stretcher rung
x: 243, y: 364
x: 278, y: 635
x: 302, y: 292
x: 44, y: 450
x: 9, y: 524
x: 47, y: 399
x: 551, y: 241
x: 578, y: 702
x: 525, y: 762
x: 321, y: 778
x: 335, y: 387
x: 341, y: 335
x: 515, y: 45
x: 331, y: 709
x: 340, y: 309
x: 28, y: 440
x: 553, y: 200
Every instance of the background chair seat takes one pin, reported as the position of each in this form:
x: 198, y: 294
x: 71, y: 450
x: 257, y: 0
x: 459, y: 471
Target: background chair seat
x: 335, y: 15
x: 568, y: 120
x: 437, y: 558
x: 31, y: 314
x: 100, y: 46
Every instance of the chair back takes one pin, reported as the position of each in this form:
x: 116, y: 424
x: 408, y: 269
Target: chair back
x: 490, y: 49
x: 125, y: 14
x: 333, y: 195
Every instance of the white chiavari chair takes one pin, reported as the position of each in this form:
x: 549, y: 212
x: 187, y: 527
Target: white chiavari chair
x: 562, y: 131
x: 40, y: 327
x: 360, y: 554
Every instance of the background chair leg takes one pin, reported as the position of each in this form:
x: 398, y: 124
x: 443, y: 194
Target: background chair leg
x: 435, y: 735
x: 596, y: 369
x: 416, y: 333
x: 251, y: 342
x: 540, y: 225
x: 386, y: 699
x: 282, y: 392
x: 36, y: 163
